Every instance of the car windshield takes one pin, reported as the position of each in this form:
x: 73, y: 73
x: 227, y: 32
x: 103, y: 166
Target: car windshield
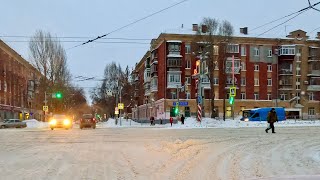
x: 59, y: 116
x: 87, y: 116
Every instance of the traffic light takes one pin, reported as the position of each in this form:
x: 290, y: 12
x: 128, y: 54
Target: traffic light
x: 231, y: 100
x: 58, y: 95
x: 176, y: 110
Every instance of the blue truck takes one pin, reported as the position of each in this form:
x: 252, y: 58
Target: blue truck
x: 261, y: 114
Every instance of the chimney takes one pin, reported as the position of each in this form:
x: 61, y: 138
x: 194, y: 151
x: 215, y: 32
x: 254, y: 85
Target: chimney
x: 195, y: 27
x: 318, y: 35
x: 204, y: 28
x: 244, y: 30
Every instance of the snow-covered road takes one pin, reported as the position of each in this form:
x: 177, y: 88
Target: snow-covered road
x: 154, y: 153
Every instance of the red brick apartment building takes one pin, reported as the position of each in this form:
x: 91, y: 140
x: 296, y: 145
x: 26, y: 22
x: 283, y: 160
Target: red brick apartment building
x: 268, y: 72
x: 18, y: 80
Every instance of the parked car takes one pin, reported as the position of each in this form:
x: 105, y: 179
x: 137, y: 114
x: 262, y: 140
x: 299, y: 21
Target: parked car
x: 13, y: 123
x: 60, y: 121
x: 88, y: 120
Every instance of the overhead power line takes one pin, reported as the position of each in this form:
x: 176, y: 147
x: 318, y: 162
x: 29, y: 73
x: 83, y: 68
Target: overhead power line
x: 79, y: 37
x: 102, y: 42
x: 134, y: 22
x: 297, y: 12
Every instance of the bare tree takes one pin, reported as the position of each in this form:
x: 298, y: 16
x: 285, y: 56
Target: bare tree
x: 114, y: 78
x: 213, y: 37
x: 49, y: 57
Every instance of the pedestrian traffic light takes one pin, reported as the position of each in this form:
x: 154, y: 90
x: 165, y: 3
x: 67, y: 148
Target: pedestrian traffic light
x: 58, y: 95
x: 231, y: 100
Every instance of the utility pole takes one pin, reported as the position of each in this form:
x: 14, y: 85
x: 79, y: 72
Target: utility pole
x: 177, y: 105
x: 45, y: 103
x: 233, y: 84
x: 119, y: 108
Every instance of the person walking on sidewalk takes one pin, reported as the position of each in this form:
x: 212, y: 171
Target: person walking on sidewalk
x: 182, y: 119
x: 272, y: 118
x: 171, y: 121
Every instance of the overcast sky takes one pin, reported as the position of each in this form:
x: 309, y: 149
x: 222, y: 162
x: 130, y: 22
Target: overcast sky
x: 65, y: 18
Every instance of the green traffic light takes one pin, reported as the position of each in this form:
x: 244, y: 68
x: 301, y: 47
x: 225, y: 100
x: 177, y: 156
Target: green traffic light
x: 231, y: 100
x: 58, y: 95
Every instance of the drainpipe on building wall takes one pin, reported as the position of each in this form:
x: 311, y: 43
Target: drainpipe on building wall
x: 165, y: 77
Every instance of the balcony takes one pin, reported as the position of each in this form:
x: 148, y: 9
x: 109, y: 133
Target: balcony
x: 314, y: 59
x: 174, y: 85
x: 313, y: 88
x: 174, y: 62
x: 285, y: 82
x: 287, y: 50
x: 314, y: 73
x: 147, y: 92
x: 285, y: 72
x: 154, y: 88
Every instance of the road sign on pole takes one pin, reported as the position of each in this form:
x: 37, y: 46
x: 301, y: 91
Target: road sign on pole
x: 233, y: 91
x: 45, y: 108
x: 120, y: 105
x: 116, y: 110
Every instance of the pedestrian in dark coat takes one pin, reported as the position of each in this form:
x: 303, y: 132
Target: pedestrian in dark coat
x: 151, y: 120
x: 171, y: 121
x: 272, y: 118
x: 182, y: 119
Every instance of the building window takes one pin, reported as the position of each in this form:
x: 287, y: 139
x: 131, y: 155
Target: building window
x: 256, y: 96
x: 174, y: 48
x: 269, y: 82
x: 174, y: 62
x: 256, y: 52
x: 174, y: 78
x: 270, y: 53
x: 216, y: 81
x: 243, y: 50
x: 284, y: 96
x: 287, y: 50
x: 269, y: 67
x: 173, y: 95
x: 188, y: 80
x: 216, y: 66
x: 311, y: 96
x: 298, y: 80
x: 205, y: 79
x: 298, y: 86
x: 243, y: 95
x: 256, y: 67
x: 188, y: 49
x: 243, y: 81
x: 229, y: 80
x: 243, y: 66
x: 216, y: 50
x: 311, y: 111
x: 298, y: 72
x: 256, y: 81
x: 269, y: 96
x: 188, y: 95
x: 188, y: 64
x: 5, y: 87
x: 233, y: 48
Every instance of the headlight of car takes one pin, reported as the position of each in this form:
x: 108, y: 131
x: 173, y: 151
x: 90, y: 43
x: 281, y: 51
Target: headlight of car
x: 66, y: 122
x: 53, y: 122
x: 246, y: 119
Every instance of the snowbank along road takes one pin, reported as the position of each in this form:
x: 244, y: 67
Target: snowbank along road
x: 153, y: 153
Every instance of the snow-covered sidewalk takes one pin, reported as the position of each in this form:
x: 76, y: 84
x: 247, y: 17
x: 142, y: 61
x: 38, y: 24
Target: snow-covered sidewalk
x: 208, y: 123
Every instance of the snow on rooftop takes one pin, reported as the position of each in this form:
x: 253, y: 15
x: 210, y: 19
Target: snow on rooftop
x: 174, y: 41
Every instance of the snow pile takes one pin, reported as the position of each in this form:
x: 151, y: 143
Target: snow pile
x: 124, y: 123
x: 33, y: 123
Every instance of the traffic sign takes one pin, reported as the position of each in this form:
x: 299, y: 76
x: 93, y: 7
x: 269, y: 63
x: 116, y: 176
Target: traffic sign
x: 120, y: 105
x: 232, y: 91
x: 199, y: 99
x: 116, y: 112
x: 181, y: 103
x: 45, y: 108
